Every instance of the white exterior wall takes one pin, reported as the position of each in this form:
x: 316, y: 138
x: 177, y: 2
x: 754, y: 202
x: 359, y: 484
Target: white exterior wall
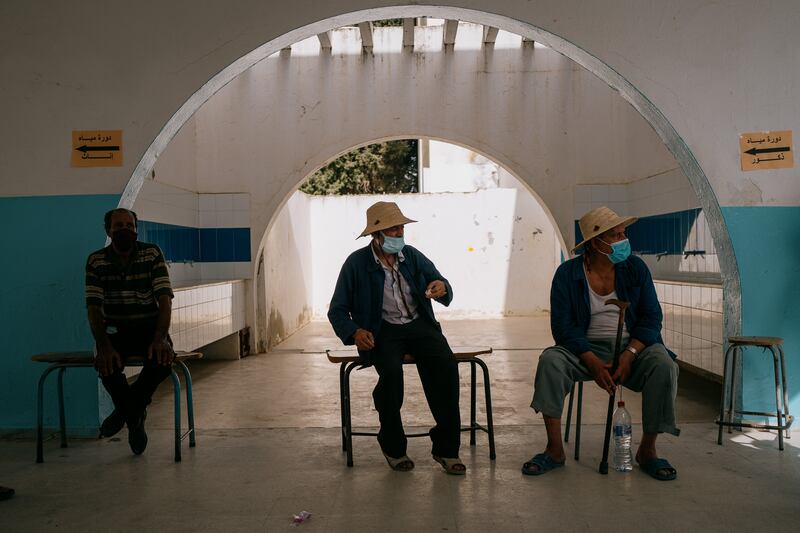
x: 496, y: 247
x: 288, y: 278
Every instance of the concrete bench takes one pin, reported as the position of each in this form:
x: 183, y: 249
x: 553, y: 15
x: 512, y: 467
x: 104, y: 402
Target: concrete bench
x: 348, y: 360
x: 62, y: 360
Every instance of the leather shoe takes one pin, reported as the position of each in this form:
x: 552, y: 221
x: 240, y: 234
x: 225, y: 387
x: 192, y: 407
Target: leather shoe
x: 137, y: 437
x: 112, y: 424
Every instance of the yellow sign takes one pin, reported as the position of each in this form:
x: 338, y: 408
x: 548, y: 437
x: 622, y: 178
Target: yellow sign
x: 765, y: 150
x: 95, y: 148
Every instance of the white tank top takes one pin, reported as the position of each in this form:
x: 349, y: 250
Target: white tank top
x: 604, y: 320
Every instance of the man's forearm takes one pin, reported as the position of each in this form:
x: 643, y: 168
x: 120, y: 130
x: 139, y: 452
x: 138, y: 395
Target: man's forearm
x: 164, y: 317
x: 97, y: 323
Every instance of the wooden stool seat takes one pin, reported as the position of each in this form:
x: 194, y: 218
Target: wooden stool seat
x: 87, y: 358
x: 348, y: 360
x: 756, y: 341
x: 62, y: 360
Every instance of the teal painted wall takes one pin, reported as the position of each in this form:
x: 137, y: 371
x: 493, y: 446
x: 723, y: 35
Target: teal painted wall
x: 45, y: 242
x: 765, y: 240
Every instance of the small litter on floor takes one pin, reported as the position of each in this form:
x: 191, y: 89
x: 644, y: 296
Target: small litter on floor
x: 301, y: 518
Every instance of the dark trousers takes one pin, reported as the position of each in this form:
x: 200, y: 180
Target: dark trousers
x: 131, y: 400
x: 438, y: 372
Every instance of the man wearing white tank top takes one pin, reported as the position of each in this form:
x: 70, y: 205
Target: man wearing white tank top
x: 585, y: 329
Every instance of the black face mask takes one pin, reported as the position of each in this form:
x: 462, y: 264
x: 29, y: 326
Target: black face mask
x: 124, y: 239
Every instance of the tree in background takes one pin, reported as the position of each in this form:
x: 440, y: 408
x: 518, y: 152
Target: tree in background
x: 384, y: 168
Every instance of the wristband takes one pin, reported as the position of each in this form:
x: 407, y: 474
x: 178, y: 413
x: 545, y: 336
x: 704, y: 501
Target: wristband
x: 633, y: 350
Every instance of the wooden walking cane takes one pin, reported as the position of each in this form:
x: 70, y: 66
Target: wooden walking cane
x: 622, y: 306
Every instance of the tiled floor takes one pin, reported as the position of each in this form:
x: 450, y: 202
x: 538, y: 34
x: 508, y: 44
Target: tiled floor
x: 269, y: 447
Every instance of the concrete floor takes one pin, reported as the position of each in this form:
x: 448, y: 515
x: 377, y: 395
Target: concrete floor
x: 269, y: 447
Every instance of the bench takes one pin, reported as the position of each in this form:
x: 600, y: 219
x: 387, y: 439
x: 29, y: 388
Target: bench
x: 348, y: 360
x: 62, y: 360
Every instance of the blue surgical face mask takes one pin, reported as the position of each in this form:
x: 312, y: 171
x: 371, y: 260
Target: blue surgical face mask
x: 620, y: 250
x: 392, y: 245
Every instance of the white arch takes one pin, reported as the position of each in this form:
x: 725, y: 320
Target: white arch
x: 485, y: 150
x: 662, y: 126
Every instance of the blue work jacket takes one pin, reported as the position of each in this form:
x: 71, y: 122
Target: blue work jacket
x: 571, y: 312
x: 357, y: 300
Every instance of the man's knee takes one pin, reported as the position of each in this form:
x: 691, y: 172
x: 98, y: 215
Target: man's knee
x: 661, y: 363
x: 391, y: 373
x: 551, y: 361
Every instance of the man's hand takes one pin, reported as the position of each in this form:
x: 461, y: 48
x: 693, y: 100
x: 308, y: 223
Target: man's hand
x: 624, y: 368
x: 600, y: 372
x: 436, y: 289
x: 364, y: 339
x: 161, y: 352
x: 107, y: 361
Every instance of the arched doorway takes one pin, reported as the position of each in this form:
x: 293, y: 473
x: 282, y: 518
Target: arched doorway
x: 673, y: 142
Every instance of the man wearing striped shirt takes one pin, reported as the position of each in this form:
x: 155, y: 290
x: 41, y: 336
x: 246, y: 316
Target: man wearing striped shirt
x: 129, y: 302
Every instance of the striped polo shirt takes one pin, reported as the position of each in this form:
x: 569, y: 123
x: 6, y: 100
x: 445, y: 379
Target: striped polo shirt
x: 128, y: 294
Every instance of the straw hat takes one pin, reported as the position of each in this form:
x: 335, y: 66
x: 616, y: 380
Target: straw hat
x: 383, y: 215
x: 598, y: 221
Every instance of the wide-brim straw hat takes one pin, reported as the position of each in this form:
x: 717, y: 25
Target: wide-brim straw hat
x: 383, y: 215
x: 598, y: 221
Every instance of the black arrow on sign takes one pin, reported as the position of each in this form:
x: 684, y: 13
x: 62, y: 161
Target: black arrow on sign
x: 85, y: 148
x: 754, y: 151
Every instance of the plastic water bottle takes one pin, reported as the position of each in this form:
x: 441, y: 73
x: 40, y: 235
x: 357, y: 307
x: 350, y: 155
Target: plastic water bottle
x: 622, y: 460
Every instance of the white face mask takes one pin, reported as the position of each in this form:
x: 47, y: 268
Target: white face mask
x: 392, y: 245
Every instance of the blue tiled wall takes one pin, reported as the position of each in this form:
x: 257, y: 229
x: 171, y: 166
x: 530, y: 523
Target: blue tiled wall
x: 201, y: 245
x: 658, y: 233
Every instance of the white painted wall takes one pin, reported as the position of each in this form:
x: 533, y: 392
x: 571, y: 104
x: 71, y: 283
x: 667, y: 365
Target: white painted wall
x: 288, y: 276
x: 176, y: 165
x: 495, y: 248
x: 450, y: 168
x: 70, y: 69
x: 555, y: 124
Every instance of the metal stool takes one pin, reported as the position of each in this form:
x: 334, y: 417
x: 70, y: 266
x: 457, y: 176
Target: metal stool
x: 62, y: 360
x: 727, y: 415
x: 348, y: 360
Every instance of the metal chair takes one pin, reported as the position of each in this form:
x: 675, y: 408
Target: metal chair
x: 577, y: 418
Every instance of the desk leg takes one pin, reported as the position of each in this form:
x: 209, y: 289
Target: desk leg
x: 778, y: 411
x: 489, y: 420
x: 725, y: 381
x: 176, y: 389
x: 472, y: 421
x: 348, y: 422
x: 578, y: 414
x: 62, y: 419
x: 569, y: 413
x: 187, y: 377
x: 341, y: 404
x: 787, y: 434
x: 40, y: 412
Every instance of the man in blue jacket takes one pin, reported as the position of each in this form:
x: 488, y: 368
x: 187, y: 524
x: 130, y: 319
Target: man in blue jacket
x: 382, y: 304
x: 584, y: 329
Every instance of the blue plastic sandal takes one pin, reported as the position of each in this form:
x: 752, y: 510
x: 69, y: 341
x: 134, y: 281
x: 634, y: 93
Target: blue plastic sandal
x: 543, y: 461
x: 655, y: 465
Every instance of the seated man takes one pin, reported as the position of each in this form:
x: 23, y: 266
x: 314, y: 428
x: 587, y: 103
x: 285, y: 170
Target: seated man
x: 584, y: 329
x: 382, y: 304
x: 129, y: 301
